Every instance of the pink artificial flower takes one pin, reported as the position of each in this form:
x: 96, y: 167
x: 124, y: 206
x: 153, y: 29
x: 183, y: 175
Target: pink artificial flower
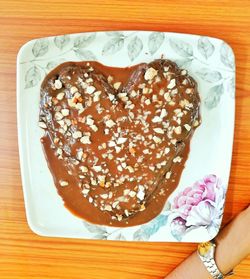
x: 196, y: 204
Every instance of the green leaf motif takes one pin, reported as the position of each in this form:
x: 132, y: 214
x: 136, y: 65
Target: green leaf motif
x: 155, y: 40
x: 147, y: 230
x: 52, y: 64
x: 113, y: 46
x: 85, y: 54
x: 100, y: 232
x: 114, y: 34
x: 32, y: 77
x: 184, y: 63
x: 40, y: 47
x: 120, y: 237
x: 84, y: 40
x: 205, y: 47
x: 231, y: 87
x: 209, y: 76
x: 182, y: 48
x: 213, y: 96
x: 134, y: 48
x: 227, y: 55
x: 61, y: 41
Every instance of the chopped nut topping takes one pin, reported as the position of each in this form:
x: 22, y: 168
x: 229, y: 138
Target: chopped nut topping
x: 150, y: 73
x: 65, y: 112
x: 141, y: 194
x: 168, y: 175
x: 117, y: 85
x: 85, y: 191
x: 110, y: 79
x: 132, y: 194
x: 130, y: 169
x: 90, y: 89
x: 77, y: 134
x: 58, y: 84
x: 111, y: 143
x: 167, y: 97
x: 167, y: 149
x: 177, y: 130
x: 152, y: 168
x: 58, y: 116
x: 63, y: 183
x: 89, y: 121
x: 104, y: 196
x: 145, y: 151
x: 177, y: 159
x: 158, y: 130
x: 111, y: 97
x: 110, y: 123
x: 145, y: 90
x: 171, y: 84
x: 196, y: 123
x: 121, y: 140
x: 97, y: 96
x: 114, y: 205
x: 163, y: 113
x: 173, y: 141
x: 73, y: 90
x: 156, y: 139
x: 119, y: 167
x: 94, y: 128
x: 60, y: 96
x: 133, y: 93
x: 85, y: 140
x: 83, y: 169
x: 42, y: 125
x: 188, y: 127
x: 189, y: 90
x: 156, y: 119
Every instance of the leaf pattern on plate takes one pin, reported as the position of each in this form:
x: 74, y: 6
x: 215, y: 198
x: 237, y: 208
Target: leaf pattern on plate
x: 231, y: 87
x: 40, y: 47
x: 205, y: 47
x: 113, y: 46
x: 208, y: 75
x: 114, y: 34
x: 98, y: 231
x: 178, y: 228
x: 134, y: 48
x: 147, y: 230
x: 85, y: 54
x: 227, y: 56
x: 32, y: 77
x: 52, y: 64
x: 184, y: 63
x: 213, y: 96
x: 181, y: 47
x: 61, y: 41
x: 155, y: 40
x: 120, y: 237
x: 84, y: 40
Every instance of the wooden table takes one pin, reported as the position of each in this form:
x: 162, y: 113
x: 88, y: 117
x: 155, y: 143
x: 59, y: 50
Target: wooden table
x: 26, y: 255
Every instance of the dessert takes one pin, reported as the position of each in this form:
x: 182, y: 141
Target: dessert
x: 116, y: 139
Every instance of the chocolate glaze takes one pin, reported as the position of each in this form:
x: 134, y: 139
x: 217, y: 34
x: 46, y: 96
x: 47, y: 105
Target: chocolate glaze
x: 116, y: 139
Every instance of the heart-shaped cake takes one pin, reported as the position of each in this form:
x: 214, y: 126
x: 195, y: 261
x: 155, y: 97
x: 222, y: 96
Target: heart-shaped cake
x: 116, y: 139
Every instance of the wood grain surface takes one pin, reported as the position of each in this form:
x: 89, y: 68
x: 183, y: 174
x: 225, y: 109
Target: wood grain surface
x: 26, y: 255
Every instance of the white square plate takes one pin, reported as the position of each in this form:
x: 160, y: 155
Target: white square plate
x: 194, y: 210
